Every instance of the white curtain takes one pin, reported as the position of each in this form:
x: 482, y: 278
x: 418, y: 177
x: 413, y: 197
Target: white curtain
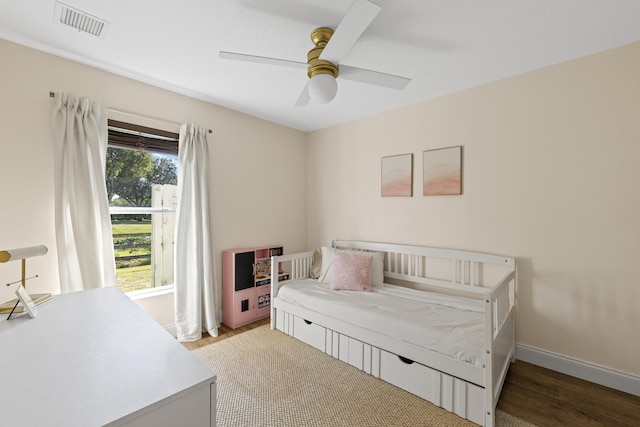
x: 83, y: 225
x: 196, y: 295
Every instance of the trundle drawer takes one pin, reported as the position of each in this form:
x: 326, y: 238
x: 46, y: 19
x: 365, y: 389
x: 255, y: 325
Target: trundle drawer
x: 410, y: 376
x: 309, y: 333
x: 354, y: 352
x: 450, y: 393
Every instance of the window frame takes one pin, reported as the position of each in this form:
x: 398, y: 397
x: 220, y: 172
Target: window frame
x: 129, y: 136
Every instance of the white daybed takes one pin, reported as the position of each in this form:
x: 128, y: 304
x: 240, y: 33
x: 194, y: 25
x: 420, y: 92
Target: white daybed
x: 441, y: 327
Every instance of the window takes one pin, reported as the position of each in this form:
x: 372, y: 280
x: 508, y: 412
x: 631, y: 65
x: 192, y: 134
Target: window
x: 142, y: 177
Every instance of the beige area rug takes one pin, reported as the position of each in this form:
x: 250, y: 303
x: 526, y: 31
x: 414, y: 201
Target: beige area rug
x: 266, y: 378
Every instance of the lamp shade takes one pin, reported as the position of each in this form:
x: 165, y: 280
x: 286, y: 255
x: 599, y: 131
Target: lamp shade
x: 323, y: 88
x: 21, y: 253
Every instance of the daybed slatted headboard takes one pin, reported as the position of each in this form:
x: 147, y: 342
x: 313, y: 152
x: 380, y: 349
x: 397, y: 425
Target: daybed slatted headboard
x: 428, y: 266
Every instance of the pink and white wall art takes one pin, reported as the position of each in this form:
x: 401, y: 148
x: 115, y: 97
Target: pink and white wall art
x: 397, y: 176
x: 442, y: 172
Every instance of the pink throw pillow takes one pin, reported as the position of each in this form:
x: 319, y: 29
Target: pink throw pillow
x: 351, y: 272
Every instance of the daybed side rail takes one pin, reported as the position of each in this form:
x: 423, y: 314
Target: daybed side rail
x: 499, y: 339
x: 503, y: 300
x: 299, y: 265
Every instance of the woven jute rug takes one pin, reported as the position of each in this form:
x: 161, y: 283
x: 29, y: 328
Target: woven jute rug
x: 266, y: 378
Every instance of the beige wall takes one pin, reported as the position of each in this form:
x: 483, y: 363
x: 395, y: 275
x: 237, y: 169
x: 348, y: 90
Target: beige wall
x: 246, y: 155
x: 550, y: 176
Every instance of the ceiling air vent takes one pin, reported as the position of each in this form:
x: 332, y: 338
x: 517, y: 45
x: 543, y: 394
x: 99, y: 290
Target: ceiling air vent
x: 81, y: 21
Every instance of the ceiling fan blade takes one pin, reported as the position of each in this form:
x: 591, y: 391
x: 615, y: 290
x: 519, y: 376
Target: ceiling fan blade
x: 373, y: 77
x: 262, y: 60
x: 358, y: 17
x: 304, y: 97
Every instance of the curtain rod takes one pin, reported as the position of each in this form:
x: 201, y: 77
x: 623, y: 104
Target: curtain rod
x: 53, y: 95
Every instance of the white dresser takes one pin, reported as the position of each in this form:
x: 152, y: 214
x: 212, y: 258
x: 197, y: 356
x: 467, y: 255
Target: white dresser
x: 94, y: 358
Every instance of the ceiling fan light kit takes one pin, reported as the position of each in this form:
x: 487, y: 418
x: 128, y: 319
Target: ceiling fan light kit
x: 324, y: 58
x: 322, y: 88
x: 322, y: 74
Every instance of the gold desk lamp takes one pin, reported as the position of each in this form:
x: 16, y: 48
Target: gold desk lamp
x: 22, y: 254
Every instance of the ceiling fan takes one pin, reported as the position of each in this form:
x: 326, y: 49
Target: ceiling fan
x: 323, y: 61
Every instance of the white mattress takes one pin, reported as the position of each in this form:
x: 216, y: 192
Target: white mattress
x: 453, y: 326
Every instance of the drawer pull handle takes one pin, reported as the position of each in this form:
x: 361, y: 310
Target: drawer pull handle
x: 307, y: 322
x: 405, y: 360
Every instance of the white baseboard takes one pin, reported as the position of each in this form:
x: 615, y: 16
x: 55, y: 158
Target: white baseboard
x: 586, y: 371
x: 172, y: 330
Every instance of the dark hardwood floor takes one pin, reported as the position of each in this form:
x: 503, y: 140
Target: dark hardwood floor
x: 538, y: 395
x: 549, y: 398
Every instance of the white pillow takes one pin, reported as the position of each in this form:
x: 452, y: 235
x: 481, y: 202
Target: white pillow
x: 377, y: 265
x: 377, y: 269
x: 326, y: 271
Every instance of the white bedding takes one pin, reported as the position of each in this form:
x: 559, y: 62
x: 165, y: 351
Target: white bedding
x: 449, y: 325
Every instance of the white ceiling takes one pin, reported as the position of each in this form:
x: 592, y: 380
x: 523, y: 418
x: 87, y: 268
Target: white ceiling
x: 442, y: 45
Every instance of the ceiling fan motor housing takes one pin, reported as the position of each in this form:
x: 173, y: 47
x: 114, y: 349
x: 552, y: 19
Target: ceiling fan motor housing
x: 320, y: 37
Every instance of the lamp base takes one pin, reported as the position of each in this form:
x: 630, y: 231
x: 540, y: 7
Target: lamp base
x: 6, y: 307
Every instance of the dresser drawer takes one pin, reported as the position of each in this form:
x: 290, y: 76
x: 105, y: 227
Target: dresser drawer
x: 309, y: 332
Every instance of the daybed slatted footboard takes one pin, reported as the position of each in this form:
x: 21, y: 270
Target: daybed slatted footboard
x: 468, y: 390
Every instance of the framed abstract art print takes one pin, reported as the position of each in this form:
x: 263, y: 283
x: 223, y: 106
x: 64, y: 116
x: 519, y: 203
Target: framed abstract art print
x: 397, y: 176
x: 442, y: 172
